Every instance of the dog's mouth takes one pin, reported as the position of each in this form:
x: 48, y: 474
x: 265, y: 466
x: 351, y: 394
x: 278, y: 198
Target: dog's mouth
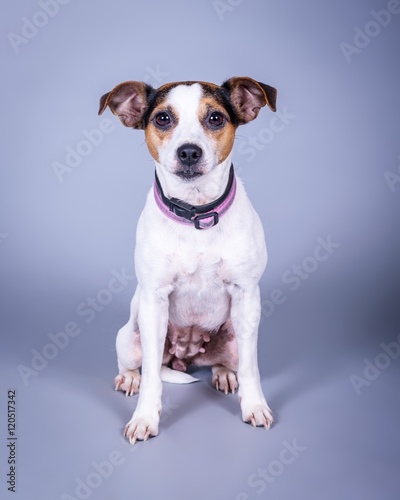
x: 188, y: 175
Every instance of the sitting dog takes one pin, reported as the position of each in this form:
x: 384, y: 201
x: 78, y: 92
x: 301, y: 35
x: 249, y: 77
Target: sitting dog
x: 200, y: 248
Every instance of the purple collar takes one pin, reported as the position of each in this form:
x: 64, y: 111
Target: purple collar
x: 199, y: 216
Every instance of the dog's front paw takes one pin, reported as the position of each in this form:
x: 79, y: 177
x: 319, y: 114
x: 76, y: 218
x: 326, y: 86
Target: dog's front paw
x: 128, y: 382
x: 258, y: 415
x: 140, y: 429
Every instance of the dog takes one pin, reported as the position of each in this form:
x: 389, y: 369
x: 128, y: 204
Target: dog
x: 200, y: 249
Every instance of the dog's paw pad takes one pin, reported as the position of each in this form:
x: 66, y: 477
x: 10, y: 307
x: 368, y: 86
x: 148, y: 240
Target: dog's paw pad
x: 225, y: 380
x: 258, y: 416
x: 140, y: 429
x: 128, y: 382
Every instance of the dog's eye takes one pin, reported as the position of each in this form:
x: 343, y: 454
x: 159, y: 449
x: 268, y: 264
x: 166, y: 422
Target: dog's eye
x: 162, y: 119
x: 216, y: 119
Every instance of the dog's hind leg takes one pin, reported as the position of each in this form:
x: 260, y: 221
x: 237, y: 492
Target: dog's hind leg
x: 129, y: 352
x: 220, y: 352
x: 224, y: 379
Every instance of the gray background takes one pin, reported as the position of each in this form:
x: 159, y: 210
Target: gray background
x: 330, y: 171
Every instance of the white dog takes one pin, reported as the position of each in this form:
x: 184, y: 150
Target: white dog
x: 200, y: 248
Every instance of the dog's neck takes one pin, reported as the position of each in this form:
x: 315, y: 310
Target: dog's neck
x: 206, y: 189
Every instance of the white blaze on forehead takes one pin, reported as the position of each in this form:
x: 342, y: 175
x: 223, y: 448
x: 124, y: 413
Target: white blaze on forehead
x: 185, y: 100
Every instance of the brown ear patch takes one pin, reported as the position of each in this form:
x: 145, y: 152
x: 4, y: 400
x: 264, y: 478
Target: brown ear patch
x: 249, y: 96
x: 129, y: 101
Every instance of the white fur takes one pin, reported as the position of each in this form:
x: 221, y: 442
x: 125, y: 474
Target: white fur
x: 190, y: 276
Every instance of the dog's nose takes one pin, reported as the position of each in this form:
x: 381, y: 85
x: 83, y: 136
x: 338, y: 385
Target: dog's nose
x: 189, y: 154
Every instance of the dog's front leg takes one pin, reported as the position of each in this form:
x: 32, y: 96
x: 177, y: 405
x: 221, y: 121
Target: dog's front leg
x: 153, y: 322
x: 245, y: 315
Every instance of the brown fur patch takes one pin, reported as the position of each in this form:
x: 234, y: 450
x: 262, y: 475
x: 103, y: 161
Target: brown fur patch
x: 155, y: 137
x: 223, y: 137
x: 164, y: 89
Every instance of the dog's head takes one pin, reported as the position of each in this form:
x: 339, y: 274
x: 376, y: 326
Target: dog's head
x: 189, y: 126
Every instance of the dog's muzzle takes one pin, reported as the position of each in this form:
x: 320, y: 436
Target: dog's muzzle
x: 189, y: 156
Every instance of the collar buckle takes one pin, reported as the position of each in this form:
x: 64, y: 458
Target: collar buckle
x: 181, y: 208
x: 212, y: 223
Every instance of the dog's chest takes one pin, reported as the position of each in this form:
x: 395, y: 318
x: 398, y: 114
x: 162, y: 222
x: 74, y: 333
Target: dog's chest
x: 200, y: 295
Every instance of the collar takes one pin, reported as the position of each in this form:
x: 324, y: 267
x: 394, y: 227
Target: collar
x: 199, y: 216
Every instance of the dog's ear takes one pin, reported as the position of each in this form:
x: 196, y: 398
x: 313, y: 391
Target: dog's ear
x: 248, y: 97
x: 129, y: 101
